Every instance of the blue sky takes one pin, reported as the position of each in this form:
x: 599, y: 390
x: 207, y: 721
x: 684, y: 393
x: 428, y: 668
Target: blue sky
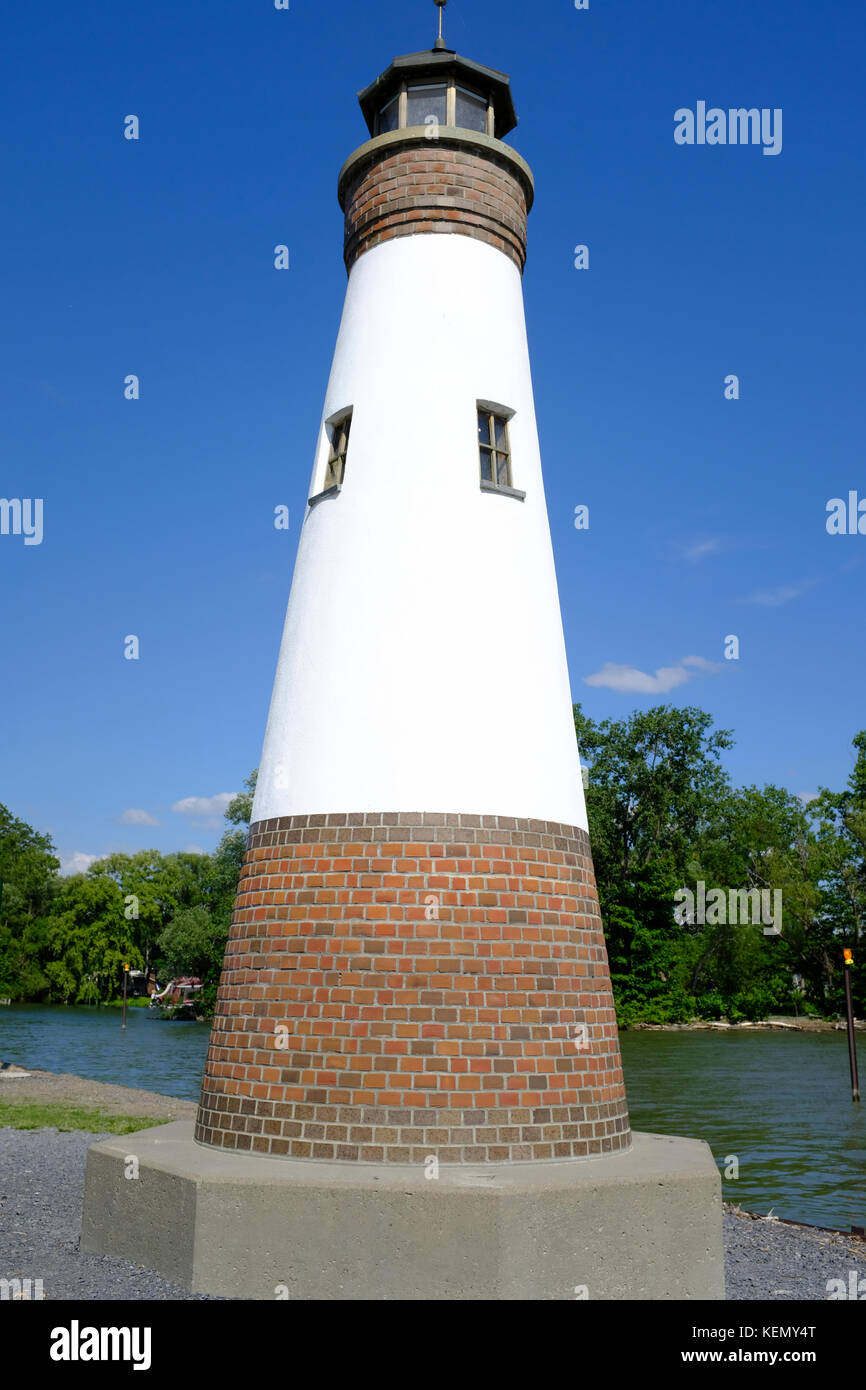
x: 155, y: 257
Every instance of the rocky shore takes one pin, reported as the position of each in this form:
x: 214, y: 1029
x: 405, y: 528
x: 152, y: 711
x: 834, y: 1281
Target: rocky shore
x: 790, y: 1025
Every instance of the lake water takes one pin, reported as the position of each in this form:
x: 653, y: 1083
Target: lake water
x: 778, y: 1102
x: 152, y: 1054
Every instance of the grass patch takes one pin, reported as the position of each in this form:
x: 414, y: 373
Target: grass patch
x: 26, y: 1114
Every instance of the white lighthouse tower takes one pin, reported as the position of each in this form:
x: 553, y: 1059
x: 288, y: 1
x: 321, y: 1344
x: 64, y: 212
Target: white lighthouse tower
x: 423, y: 665
x: 413, y: 1087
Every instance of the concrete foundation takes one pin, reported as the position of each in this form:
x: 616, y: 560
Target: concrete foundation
x: 644, y: 1224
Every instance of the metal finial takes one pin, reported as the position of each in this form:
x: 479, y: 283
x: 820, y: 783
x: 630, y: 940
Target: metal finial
x: 440, y: 42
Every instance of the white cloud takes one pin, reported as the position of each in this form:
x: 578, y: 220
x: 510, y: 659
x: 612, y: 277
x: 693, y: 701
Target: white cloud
x: 136, y: 817
x: 806, y: 797
x: 703, y: 548
x: 701, y: 663
x: 774, y: 598
x: 76, y: 863
x: 631, y: 680
x: 204, y: 805
x: 194, y: 849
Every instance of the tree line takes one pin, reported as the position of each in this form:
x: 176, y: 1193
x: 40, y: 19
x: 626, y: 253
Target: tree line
x: 663, y: 817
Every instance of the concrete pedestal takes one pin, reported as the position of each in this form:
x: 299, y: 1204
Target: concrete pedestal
x: 643, y: 1224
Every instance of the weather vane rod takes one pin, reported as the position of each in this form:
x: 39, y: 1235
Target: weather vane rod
x: 440, y: 42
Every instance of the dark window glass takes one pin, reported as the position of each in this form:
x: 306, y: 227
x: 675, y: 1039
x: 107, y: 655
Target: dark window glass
x: 389, y: 116
x: 336, y: 469
x: 494, y: 448
x: 424, y: 102
x: 471, y: 111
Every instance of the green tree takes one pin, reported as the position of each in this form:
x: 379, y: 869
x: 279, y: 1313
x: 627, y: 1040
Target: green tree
x: 193, y: 944
x: 840, y: 821
x: 240, y: 808
x: 654, y: 780
x: 155, y: 887
x: 29, y: 874
x: 88, y: 940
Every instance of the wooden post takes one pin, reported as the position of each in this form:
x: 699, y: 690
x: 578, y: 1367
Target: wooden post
x: 852, y: 1043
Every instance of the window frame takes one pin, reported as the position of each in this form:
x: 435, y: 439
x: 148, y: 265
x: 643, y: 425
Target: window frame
x: 338, y: 432
x: 452, y: 87
x: 483, y: 103
x: 494, y: 413
x: 442, y: 89
x: 338, y: 448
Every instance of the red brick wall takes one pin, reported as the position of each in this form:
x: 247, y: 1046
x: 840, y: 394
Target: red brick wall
x: 430, y: 187
x: 397, y: 986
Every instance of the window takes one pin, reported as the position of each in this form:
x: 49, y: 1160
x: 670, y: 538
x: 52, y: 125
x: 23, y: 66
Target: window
x: 337, y: 455
x: 471, y: 111
x: 389, y: 116
x: 494, y: 448
x: 427, y: 101
x: 444, y: 103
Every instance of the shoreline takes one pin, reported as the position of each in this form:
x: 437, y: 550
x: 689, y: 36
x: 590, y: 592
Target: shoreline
x: 780, y: 1024
x: 112, y: 1099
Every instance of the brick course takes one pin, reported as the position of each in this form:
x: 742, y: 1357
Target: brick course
x: 432, y: 187
x: 401, y: 985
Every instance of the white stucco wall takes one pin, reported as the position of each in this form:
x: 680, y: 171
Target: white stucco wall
x: 422, y: 665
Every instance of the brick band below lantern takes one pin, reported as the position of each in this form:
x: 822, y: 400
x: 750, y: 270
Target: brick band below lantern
x: 402, y: 184
x: 401, y: 985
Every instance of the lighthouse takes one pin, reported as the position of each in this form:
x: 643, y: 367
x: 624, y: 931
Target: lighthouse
x: 417, y: 964
x: 413, y: 1087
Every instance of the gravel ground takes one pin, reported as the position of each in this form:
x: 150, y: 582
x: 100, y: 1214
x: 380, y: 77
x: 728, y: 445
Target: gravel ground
x: 768, y: 1259
x: 41, y: 1193
x: 42, y: 1186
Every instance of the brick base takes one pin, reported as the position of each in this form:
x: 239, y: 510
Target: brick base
x: 404, y: 985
